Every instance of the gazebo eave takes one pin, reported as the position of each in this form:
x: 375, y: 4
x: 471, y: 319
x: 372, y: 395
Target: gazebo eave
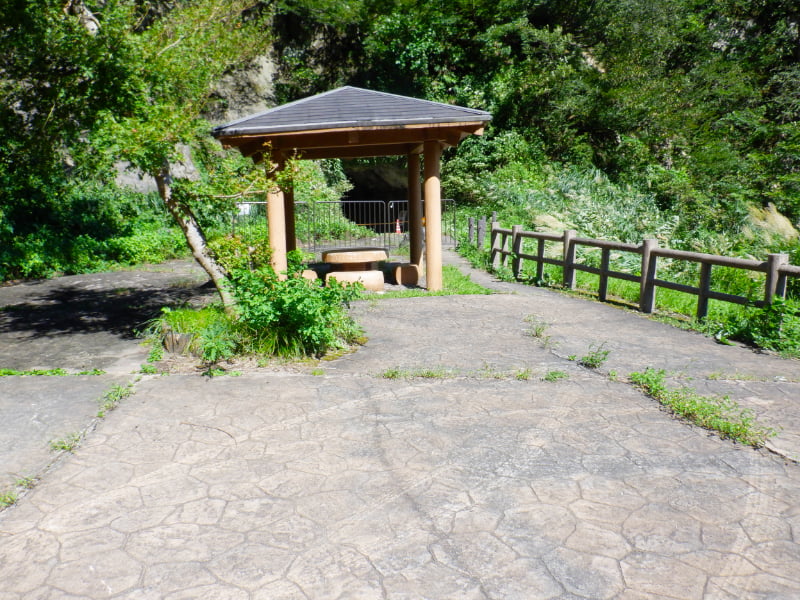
x: 354, y: 142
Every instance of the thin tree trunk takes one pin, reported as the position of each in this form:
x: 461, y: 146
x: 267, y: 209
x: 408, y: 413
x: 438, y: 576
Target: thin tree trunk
x: 195, y: 239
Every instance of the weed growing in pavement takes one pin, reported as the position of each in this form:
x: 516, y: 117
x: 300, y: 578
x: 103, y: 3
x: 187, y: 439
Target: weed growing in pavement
x: 8, y: 499
x: 430, y: 373
x: 26, y: 483
x: 220, y: 372
x: 67, y: 444
x: 156, y: 352
x: 47, y: 372
x: 523, y: 374
x: 555, y: 375
x: 722, y: 415
x: 537, y: 326
x: 318, y: 372
x: 596, y: 356
x: 113, y: 397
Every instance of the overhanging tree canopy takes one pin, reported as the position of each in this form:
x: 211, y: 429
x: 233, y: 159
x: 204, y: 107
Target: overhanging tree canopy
x: 351, y: 122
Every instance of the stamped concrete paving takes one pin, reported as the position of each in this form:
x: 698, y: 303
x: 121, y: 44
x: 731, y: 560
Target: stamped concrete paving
x: 76, y: 323
x: 478, y: 484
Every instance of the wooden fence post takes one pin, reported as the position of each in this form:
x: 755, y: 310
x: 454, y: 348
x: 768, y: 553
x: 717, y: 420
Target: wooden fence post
x: 776, y: 283
x: 471, y: 230
x: 539, y: 263
x: 481, y: 232
x: 496, y: 241
x: 703, y: 289
x: 605, y: 260
x: 569, y: 258
x: 516, y: 249
x: 647, y: 289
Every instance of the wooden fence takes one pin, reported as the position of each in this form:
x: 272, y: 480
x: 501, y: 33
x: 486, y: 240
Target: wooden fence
x: 508, y: 244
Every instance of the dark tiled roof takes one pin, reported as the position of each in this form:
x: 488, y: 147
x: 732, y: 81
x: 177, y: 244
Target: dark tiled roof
x: 347, y: 107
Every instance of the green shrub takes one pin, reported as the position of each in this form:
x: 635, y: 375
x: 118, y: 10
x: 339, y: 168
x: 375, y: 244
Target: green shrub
x: 774, y: 327
x: 292, y: 316
x: 149, y: 245
x: 241, y: 251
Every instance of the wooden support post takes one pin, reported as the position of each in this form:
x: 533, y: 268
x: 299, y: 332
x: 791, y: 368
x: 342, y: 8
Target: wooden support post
x: 496, y: 246
x: 605, y: 260
x: 775, y: 283
x: 569, y: 259
x: 471, y: 230
x: 276, y: 217
x: 481, y: 233
x: 647, y: 289
x: 703, y: 289
x: 516, y: 250
x: 540, y: 262
x: 433, y: 215
x: 414, y: 211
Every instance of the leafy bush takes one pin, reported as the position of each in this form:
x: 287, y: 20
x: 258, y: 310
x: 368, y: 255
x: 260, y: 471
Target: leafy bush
x: 149, y: 245
x: 292, y: 316
x: 241, y: 251
x: 774, y: 327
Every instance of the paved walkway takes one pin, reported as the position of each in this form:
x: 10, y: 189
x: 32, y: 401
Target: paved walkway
x: 484, y: 482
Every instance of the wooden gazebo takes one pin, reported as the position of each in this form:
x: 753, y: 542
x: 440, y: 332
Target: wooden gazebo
x: 351, y: 122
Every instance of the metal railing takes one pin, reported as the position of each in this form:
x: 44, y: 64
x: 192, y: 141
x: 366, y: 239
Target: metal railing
x: 351, y: 223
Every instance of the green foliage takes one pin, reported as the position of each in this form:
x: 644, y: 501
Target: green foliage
x: 274, y: 316
x: 111, y: 399
x: 555, y: 375
x: 417, y: 373
x: 218, y: 341
x: 66, y: 444
x: 241, y: 250
x: 722, y: 415
x: 47, y: 372
x: 596, y: 356
x: 8, y: 499
x: 773, y: 327
x: 292, y: 316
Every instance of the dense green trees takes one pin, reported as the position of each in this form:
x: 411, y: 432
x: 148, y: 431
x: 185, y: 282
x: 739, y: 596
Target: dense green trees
x: 690, y: 106
x: 85, y: 85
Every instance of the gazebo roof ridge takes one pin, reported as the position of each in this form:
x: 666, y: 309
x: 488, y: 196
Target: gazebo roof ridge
x: 350, y: 107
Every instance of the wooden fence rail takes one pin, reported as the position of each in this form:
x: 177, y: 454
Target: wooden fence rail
x: 509, y: 244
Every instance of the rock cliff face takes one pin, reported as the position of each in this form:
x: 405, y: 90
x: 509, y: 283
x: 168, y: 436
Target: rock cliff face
x: 243, y: 92
x: 240, y: 93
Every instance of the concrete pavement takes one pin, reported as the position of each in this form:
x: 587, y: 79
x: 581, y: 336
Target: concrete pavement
x: 484, y: 481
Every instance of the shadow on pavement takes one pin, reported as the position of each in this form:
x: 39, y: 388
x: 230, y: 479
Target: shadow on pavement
x: 70, y: 310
